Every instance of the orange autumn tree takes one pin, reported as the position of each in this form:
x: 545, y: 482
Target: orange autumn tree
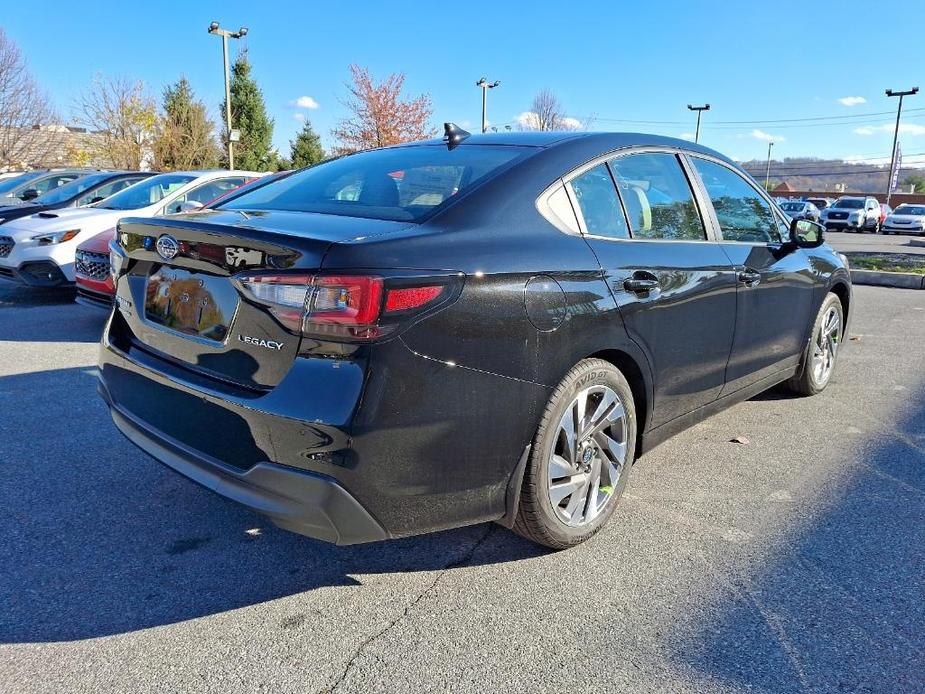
x: 380, y: 116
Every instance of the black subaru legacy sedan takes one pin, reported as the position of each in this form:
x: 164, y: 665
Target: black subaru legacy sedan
x: 480, y: 328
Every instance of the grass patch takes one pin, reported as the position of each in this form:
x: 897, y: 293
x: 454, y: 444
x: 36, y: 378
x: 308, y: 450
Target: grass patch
x: 888, y: 262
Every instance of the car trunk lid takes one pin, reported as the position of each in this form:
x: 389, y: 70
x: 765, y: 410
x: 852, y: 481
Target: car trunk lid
x: 178, y: 296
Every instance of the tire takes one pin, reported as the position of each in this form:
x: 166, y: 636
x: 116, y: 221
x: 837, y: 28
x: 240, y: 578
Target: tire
x: 597, y: 479
x: 812, y: 379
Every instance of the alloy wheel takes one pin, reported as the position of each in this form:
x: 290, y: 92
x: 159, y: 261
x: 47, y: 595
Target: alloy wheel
x: 588, y: 456
x: 825, y: 346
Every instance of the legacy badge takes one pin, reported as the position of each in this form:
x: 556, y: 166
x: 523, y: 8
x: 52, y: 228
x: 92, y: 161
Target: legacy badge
x: 260, y: 342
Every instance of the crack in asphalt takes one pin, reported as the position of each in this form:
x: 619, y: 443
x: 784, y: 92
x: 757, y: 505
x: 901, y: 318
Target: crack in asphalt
x: 461, y: 561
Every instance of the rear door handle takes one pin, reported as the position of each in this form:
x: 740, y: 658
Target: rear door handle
x: 749, y: 277
x: 641, y: 283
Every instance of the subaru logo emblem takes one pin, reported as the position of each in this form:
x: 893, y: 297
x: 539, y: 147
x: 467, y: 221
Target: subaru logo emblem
x: 167, y: 247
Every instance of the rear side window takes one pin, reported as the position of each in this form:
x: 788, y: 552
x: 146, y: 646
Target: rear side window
x: 658, y: 199
x: 742, y: 213
x: 400, y: 184
x: 599, y: 204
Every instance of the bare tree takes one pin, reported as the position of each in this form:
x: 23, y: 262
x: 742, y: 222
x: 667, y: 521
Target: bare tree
x: 23, y: 109
x: 123, y: 119
x: 546, y: 113
x: 380, y: 116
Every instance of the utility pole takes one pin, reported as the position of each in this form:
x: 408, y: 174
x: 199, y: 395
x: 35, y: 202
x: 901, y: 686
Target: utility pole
x: 767, y: 175
x: 699, y: 110
x: 215, y: 29
x: 486, y: 85
x: 899, y: 110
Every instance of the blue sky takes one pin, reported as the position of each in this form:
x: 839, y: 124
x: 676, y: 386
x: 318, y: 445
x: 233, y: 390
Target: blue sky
x: 607, y: 61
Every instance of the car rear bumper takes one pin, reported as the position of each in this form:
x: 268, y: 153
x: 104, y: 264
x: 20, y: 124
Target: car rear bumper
x: 401, y: 439
x: 301, y: 501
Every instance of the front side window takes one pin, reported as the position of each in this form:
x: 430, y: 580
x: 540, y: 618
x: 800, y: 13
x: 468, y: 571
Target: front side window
x: 207, y: 192
x: 742, y: 213
x: 599, y: 204
x: 658, y: 199
x: 398, y: 183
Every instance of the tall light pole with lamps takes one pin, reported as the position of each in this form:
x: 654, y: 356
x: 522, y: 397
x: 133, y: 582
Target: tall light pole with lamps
x: 767, y: 175
x: 899, y: 110
x: 215, y: 29
x: 486, y: 85
x: 699, y: 110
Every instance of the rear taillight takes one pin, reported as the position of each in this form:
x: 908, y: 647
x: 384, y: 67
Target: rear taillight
x: 341, y: 307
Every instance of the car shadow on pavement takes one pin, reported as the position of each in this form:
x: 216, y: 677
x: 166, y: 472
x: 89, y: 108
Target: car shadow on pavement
x: 840, y: 603
x: 68, y: 322
x: 14, y: 295
x: 100, y: 539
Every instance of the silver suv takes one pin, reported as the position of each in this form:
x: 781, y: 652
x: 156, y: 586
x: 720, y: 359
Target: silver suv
x: 852, y: 214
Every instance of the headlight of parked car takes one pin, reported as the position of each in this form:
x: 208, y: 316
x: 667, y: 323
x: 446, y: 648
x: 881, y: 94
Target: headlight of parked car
x: 55, y: 237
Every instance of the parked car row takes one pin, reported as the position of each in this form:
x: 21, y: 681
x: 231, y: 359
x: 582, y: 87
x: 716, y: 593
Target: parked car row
x: 857, y: 213
x: 40, y: 234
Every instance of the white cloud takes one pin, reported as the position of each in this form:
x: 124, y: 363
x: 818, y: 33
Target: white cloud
x: 299, y: 117
x: 305, y: 102
x: 528, y: 119
x: 687, y: 136
x: 852, y: 100
x: 531, y: 121
x: 904, y: 129
x: 767, y: 137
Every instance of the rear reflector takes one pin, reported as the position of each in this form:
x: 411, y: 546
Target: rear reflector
x: 339, y: 307
x: 411, y: 297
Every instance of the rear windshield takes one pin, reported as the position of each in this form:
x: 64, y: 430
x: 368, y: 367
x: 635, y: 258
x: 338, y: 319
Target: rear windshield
x: 792, y: 206
x: 849, y: 203
x: 400, y: 184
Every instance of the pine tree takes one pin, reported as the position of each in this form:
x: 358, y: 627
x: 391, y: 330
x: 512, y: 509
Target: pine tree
x: 185, y: 135
x: 306, y: 148
x: 254, y: 151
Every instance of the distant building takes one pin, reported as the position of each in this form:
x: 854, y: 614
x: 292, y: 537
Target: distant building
x: 47, y: 146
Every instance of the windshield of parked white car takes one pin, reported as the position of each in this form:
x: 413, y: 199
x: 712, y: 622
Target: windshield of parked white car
x: 72, y: 189
x: 916, y: 210
x: 849, y: 203
x: 398, y: 184
x: 148, y: 192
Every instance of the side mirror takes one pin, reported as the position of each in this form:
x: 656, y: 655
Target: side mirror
x: 805, y: 233
x: 189, y: 206
x: 30, y: 194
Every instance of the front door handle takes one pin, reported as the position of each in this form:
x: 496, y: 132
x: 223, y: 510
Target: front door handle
x: 640, y: 284
x: 749, y: 277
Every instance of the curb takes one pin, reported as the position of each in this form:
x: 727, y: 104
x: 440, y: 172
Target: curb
x: 917, y: 241
x: 902, y: 280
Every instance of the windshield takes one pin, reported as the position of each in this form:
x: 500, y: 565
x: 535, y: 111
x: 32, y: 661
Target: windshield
x: 792, y: 207
x: 398, y: 184
x: 70, y: 190
x: 11, y: 184
x: 917, y: 210
x: 148, y: 192
x: 849, y: 203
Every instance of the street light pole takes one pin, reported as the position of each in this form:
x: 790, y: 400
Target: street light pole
x: 699, y: 110
x: 767, y: 175
x: 215, y: 29
x: 486, y: 85
x: 899, y: 110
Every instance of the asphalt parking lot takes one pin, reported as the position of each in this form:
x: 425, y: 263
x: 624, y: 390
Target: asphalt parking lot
x: 852, y: 242
x: 794, y: 562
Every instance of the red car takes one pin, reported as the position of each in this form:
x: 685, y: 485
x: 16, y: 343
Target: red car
x: 94, y: 281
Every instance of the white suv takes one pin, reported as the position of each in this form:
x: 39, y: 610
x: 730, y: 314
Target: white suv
x: 40, y: 250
